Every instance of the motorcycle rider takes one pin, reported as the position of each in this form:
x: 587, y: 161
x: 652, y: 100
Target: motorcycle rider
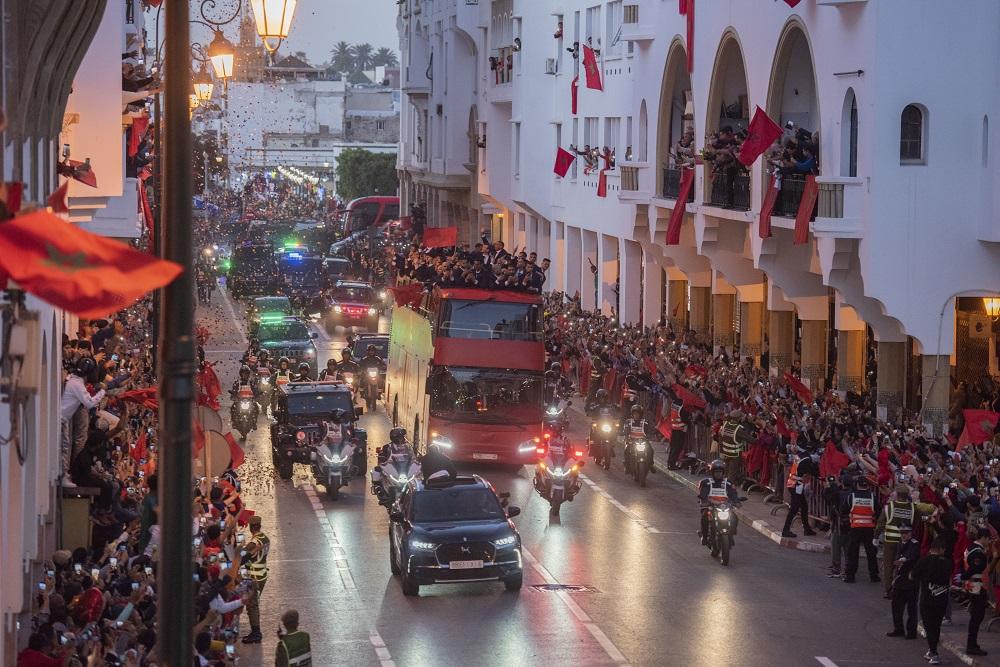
x: 559, y: 447
x: 713, y: 490
x: 347, y: 363
x: 304, y: 374
x: 371, y: 359
x: 397, y: 446
x: 252, y: 351
x: 556, y: 384
x: 330, y: 372
x: 243, y: 384
x: 282, y: 374
x: 635, y: 425
x: 435, y: 461
x: 603, y: 411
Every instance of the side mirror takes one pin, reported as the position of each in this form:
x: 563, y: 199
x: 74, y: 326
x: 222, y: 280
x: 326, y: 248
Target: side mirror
x: 513, y: 511
x: 358, y: 411
x: 396, y: 515
x: 314, y: 335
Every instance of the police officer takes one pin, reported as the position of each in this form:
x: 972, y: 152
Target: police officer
x: 257, y: 549
x: 904, y: 589
x: 796, y: 485
x: 897, y: 512
x: 330, y: 372
x: 860, y: 507
x: 716, y: 489
x: 637, y: 427
x: 973, y: 567
x: 304, y: 374
x: 293, y: 648
x: 733, y: 437
x: 347, y: 363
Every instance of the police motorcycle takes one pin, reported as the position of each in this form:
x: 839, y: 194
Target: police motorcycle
x: 718, y: 515
x: 638, y: 450
x: 371, y: 388
x: 333, y: 461
x: 281, y: 375
x: 557, y: 475
x: 397, y: 466
x: 603, y: 432
x: 244, y: 411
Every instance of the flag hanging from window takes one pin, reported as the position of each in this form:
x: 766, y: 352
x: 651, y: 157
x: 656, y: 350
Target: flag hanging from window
x: 602, y: 183
x: 689, y: 12
x: 677, y: 215
x: 761, y: 133
x: 770, y: 197
x: 57, y: 200
x: 564, y: 159
x: 574, y: 91
x: 591, y: 69
x: 440, y: 237
x: 806, y: 206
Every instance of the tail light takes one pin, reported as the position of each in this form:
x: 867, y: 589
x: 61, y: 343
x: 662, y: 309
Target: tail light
x: 548, y: 435
x: 578, y: 454
x: 536, y: 439
x: 539, y: 450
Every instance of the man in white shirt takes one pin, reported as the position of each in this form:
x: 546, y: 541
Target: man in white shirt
x: 74, y: 397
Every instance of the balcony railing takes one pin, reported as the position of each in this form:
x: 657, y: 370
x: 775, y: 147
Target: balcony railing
x: 672, y: 184
x: 789, y: 196
x: 503, y: 66
x: 629, y: 178
x: 731, y: 189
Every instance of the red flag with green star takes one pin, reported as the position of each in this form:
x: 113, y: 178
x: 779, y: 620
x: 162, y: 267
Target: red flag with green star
x: 591, y: 70
x: 84, y: 273
x: 979, y: 427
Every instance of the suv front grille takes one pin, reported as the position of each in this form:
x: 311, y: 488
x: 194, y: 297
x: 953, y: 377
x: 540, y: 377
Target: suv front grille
x: 465, y: 551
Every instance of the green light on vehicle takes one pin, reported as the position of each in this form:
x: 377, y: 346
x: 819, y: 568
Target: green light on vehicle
x: 270, y: 318
x: 225, y: 264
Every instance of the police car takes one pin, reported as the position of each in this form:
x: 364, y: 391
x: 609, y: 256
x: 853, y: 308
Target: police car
x: 452, y: 531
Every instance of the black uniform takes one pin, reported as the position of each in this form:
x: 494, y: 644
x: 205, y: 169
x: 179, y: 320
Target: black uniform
x: 933, y: 573
x: 972, y: 575
x: 904, y: 590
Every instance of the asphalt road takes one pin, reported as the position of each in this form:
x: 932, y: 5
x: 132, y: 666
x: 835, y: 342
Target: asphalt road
x: 653, y: 595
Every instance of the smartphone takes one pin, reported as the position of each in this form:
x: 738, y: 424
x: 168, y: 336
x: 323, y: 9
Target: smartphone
x: 149, y: 570
x: 118, y: 623
x: 230, y: 650
x: 63, y: 639
x: 113, y: 561
x: 240, y: 537
x: 197, y: 541
x: 135, y: 585
x: 142, y: 474
x: 41, y: 586
x: 77, y: 568
x: 50, y: 573
x: 114, y: 357
x: 95, y: 573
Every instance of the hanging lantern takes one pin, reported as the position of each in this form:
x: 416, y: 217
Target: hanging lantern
x: 222, y: 53
x: 992, y: 305
x: 274, y: 19
x: 203, y: 85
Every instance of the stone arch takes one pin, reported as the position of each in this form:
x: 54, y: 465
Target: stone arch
x: 793, y: 91
x: 643, y: 144
x: 850, y: 127
x: 728, y: 96
x: 675, y: 94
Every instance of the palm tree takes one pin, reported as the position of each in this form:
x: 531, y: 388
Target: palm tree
x: 341, y: 59
x: 362, y: 56
x: 385, y: 56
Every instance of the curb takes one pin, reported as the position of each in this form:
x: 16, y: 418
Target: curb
x: 762, y: 527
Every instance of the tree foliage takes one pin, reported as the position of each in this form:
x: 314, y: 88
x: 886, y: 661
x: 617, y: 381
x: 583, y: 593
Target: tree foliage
x: 362, y: 173
x: 349, y: 59
x: 362, y: 54
x: 385, y: 56
x: 341, y: 59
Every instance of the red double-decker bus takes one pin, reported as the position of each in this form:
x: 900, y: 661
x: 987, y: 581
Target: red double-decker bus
x: 468, y: 366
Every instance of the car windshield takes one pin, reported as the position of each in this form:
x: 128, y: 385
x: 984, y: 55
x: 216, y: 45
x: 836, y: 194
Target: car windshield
x: 489, y: 320
x: 278, y: 304
x: 357, y: 294
x: 320, y: 403
x: 456, y: 504
x: 486, y: 396
x: 283, y: 331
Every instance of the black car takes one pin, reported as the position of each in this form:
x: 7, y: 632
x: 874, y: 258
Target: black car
x: 300, y: 410
x: 452, y: 531
x: 253, y: 271
x: 353, y: 304
x: 288, y: 337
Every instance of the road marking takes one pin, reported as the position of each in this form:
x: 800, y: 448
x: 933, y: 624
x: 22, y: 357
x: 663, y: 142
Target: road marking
x: 638, y: 520
x: 826, y: 662
x: 343, y: 568
x: 232, y: 313
x: 609, y: 647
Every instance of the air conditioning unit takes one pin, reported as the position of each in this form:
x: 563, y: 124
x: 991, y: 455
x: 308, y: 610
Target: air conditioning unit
x: 551, y: 66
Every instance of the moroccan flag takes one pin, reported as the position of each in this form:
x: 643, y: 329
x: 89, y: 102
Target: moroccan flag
x: 760, y: 135
x: 12, y: 192
x: 979, y: 427
x: 440, y: 237
x: 406, y: 222
x: 84, y: 273
x: 770, y: 197
x: 682, y: 7
x: 407, y: 295
x: 139, y: 125
x: 792, y: 3
x: 650, y: 365
x: 564, y: 159
x: 590, y: 69
x: 236, y: 454
x: 144, y: 397
x: 574, y: 91
x: 665, y: 427
x: 57, y: 200
x: 689, y: 11
x: 138, y: 452
x: 800, y: 389
x: 832, y: 461
x: 806, y: 205
x: 609, y: 379
x: 695, y: 369
x: 210, y: 386
x: 602, y: 183
x: 688, y: 398
x: 782, y: 427
x: 87, y: 176
x: 677, y: 215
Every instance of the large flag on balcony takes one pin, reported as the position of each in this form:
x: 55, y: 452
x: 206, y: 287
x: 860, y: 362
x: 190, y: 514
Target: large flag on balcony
x: 767, y: 207
x: 760, y: 135
x: 602, y: 183
x: 980, y: 425
x: 677, y: 215
x: 440, y: 237
x: 689, y: 47
x: 564, y: 159
x: 84, y: 273
x: 806, y: 205
x: 591, y: 69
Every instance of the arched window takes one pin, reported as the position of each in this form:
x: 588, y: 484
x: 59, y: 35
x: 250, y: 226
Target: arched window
x: 986, y: 141
x: 643, y: 131
x: 911, y: 135
x: 849, y: 136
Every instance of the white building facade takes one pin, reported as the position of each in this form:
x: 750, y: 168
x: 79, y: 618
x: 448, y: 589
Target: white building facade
x: 898, y: 93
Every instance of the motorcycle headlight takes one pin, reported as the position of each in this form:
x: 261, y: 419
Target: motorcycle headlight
x: 724, y: 515
x: 423, y: 546
x: 552, y: 410
x: 402, y: 479
x: 505, y: 541
x: 338, y: 309
x: 372, y: 373
x: 265, y: 382
x: 559, y: 472
x: 640, y: 446
x: 314, y: 316
x: 332, y: 459
x: 372, y: 311
x: 605, y: 428
x: 244, y: 405
x: 382, y: 295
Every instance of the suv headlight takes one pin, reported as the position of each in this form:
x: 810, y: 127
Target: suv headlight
x: 505, y: 541
x: 605, y: 428
x: 372, y: 311
x: 423, y: 546
x: 337, y: 309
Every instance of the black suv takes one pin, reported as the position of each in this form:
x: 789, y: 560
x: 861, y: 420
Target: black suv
x: 288, y: 337
x: 353, y: 304
x: 451, y: 531
x: 300, y: 410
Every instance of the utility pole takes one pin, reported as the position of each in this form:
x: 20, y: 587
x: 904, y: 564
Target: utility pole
x: 177, y: 355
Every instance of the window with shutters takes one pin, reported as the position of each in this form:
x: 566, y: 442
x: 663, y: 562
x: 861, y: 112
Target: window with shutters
x: 912, y: 142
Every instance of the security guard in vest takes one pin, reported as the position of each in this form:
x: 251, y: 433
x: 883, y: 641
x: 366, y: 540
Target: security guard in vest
x: 973, y: 566
x: 802, y: 468
x: 716, y: 489
x: 897, y: 512
x: 257, y: 549
x: 860, y: 508
x: 293, y: 644
x: 733, y: 438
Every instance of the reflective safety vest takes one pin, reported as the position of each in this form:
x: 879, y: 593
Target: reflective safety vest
x: 717, y: 490
x: 245, y: 391
x: 730, y: 435
x: 637, y: 430
x: 676, y: 423
x: 282, y: 377
x: 294, y: 648
x: 862, y: 513
x: 974, y: 584
x: 257, y: 567
x: 896, y: 514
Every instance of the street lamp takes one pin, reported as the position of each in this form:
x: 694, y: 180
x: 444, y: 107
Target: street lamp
x: 992, y: 305
x: 222, y: 53
x: 274, y: 19
x: 203, y: 85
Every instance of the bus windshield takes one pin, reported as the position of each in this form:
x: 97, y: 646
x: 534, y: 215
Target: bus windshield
x: 489, y: 320
x: 486, y: 396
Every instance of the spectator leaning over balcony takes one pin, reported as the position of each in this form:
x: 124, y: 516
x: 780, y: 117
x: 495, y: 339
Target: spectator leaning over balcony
x: 76, y: 397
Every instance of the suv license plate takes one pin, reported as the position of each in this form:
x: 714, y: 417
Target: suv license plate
x: 485, y: 457
x: 466, y: 565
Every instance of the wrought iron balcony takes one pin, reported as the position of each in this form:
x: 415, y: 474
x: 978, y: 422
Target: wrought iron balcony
x: 672, y: 184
